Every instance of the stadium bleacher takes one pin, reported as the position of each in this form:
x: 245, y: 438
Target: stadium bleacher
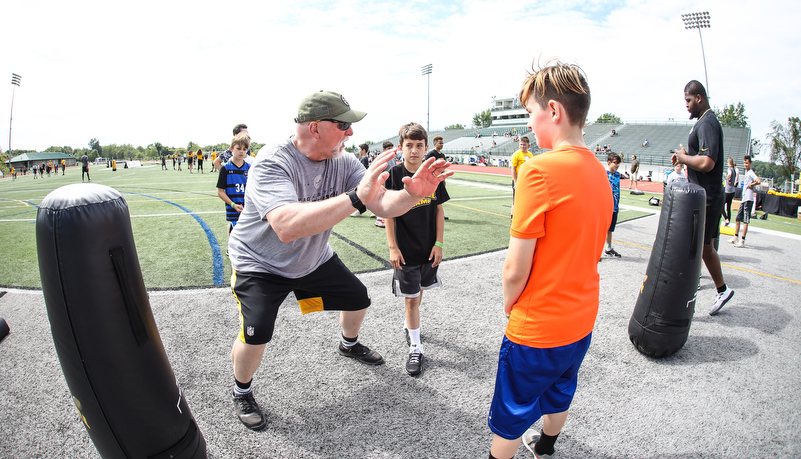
x: 464, y: 147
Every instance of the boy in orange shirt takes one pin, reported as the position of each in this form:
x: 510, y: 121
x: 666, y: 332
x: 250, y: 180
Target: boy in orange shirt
x: 550, y: 277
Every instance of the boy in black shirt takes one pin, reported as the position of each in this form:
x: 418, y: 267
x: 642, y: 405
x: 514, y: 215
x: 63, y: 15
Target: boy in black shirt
x: 415, y: 240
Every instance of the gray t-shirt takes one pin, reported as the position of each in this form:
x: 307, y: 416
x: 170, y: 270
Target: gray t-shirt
x: 749, y: 178
x: 281, y: 175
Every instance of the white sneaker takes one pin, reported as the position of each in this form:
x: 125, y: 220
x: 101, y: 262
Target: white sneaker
x: 734, y: 240
x: 530, y: 438
x: 740, y: 244
x: 721, y: 300
x: 355, y: 213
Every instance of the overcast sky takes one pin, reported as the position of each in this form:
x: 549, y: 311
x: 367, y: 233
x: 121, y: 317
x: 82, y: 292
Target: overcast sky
x: 173, y: 72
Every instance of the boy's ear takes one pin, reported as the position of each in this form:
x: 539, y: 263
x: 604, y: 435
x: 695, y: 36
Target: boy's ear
x: 557, y: 111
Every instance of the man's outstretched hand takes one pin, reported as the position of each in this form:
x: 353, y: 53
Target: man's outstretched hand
x: 425, y: 181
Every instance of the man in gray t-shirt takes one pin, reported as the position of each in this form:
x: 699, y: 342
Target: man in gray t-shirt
x: 296, y: 192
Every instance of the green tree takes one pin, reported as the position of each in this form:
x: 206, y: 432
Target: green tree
x: 785, y: 146
x: 608, y: 118
x: 94, y: 144
x: 482, y: 119
x: 454, y: 126
x: 732, y: 115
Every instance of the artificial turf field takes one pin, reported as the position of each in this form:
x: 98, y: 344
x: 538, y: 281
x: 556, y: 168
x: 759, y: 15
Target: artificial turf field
x: 179, y: 223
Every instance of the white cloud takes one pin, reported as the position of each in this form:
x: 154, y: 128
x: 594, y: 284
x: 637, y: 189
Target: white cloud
x: 174, y: 72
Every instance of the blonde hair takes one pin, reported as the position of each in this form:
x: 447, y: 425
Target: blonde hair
x: 564, y: 83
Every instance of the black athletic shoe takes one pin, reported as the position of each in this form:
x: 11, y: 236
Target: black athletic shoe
x: 361, y: 353
x: 249, y: 412
x: 612, y: 253
x: 414, y: 362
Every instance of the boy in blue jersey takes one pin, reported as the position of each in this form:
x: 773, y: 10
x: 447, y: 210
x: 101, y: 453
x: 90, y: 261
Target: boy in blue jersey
x: 613, y: 163
x: 233, y: 178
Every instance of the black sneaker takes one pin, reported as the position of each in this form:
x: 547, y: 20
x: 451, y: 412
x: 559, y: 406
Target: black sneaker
x: 612, y: 253
x: 414, y: 362
x: 249, y: 412
x: 361, y: 353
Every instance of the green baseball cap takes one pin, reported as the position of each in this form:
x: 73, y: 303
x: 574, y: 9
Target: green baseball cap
x: 327, y: 105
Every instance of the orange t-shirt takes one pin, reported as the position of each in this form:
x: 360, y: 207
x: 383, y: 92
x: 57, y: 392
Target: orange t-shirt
x: 564, y: 200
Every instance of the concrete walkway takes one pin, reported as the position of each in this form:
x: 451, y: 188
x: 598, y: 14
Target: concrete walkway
x: 731, y: 392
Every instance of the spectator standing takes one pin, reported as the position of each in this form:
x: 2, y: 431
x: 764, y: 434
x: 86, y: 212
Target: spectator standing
x: 226, y: 155
x: 437, y: 153
x: 84, y: 167
x: 750, y: 180
x: 612, y: 164
x: 518, y: 158
x: 200, y: 160
x: 387, y: 146
x: 732, y: 179
x: 232, y: 180
x: 634, y: 173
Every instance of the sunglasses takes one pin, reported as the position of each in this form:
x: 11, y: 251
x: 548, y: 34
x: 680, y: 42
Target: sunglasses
x: 342, y: 125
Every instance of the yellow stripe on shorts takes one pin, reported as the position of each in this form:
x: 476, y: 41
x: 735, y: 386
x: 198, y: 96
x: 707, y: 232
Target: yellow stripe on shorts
x: 238, y: 307
x: 311, y: 305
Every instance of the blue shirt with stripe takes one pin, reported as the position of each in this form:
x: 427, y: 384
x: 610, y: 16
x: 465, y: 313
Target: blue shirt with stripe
x: 233, y: 180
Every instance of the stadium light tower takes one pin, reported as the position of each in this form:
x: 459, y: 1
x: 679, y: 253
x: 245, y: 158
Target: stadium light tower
x: 698, y: 21
x: 15, y: 79
x: 427, y: 69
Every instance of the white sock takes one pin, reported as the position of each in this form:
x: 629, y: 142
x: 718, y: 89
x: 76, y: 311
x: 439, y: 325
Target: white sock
x: 414, y: 337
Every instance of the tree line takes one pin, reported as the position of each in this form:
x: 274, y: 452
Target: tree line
x: 128, y: 152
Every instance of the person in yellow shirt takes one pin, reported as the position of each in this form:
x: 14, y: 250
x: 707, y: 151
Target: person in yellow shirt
x: 63, y: 166
x: 518, y: 158
x: 200, y: 160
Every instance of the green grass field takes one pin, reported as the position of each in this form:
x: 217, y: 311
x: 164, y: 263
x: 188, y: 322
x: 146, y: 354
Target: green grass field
x: 169, y: 210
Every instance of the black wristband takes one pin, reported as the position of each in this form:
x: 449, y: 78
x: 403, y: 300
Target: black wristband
x: 355, y: 201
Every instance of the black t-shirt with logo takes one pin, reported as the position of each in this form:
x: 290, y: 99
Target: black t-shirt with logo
x: 706, y: 139
x: 416, y: 230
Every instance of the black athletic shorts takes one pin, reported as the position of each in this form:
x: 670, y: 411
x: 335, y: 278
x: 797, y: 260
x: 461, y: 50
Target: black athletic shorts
x: 714, y: 210
x: 331, y: 287
x: 411, y: 280
x: 614, y: 222
x: 744, y: 214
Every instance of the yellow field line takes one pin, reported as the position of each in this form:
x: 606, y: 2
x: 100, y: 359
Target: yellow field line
x: 25, y: 204
x: 723, y: 264
x: 477, y: 210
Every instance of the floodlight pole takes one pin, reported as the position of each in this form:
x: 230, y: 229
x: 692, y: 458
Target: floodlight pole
x: 15, y: 79
x: 699, y: 21
x: 427, y: 69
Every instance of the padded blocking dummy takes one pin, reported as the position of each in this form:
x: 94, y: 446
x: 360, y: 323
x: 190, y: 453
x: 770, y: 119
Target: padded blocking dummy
x: 103, y: 328
x: 664, y: 310
x: 4, y: 330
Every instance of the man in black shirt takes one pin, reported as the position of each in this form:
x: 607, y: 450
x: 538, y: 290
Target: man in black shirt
x: 704, y: 162
x: 436, y: 152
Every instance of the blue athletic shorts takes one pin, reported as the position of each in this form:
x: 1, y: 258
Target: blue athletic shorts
x: 532, y: 382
